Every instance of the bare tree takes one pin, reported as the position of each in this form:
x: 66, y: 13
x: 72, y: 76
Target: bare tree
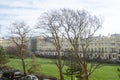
x: 79, y: 28
x: 51, y: 25
x: 19, y: 33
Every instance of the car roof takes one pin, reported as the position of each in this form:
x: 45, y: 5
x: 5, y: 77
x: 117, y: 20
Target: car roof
x: 31, y: 75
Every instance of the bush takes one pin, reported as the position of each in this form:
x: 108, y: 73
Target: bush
x: 3, y: 57
x: 42, y: 77
x: 13, y: 56
x: 34, y: 67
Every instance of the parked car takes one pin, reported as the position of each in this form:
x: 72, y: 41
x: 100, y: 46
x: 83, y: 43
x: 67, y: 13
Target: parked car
x: 11, y: 75
x: 31, y: 77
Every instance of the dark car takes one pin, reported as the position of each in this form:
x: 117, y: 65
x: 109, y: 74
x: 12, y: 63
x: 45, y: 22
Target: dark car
x: 11, y: 75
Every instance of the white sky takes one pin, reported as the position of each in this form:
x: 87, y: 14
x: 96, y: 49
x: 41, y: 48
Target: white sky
x: 30, y: 10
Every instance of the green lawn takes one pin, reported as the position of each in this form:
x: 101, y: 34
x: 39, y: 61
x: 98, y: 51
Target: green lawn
x: 106, y: 72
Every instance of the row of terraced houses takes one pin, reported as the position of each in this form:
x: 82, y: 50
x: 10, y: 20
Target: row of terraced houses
x: 108, y: 47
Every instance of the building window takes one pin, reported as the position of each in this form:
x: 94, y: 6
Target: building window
x: 102, y: 49
x: 113, y: 56
x: 118, y: 44
x: 105, y: 49
x: 95, y: 49
x: 99, y: 50
x: 112, y: 50
x: 94, y: 44
x: 119, y: 50
x: 112, y: 43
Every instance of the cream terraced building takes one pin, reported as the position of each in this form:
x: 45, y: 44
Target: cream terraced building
x: 107, y: 47
x: 8, y: 42
x: 45, y: 46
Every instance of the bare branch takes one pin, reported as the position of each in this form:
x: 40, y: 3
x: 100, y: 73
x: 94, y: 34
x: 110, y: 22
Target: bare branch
x: 19, y: 34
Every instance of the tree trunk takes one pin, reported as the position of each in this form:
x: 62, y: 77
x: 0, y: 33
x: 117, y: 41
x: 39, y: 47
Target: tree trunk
x: 61, y: 75
x: 60, y: 66
x: 85, y: 74
x: 71, y: 76
x: 23, y: 62
x: 85, y: 77
x: 24, y: 67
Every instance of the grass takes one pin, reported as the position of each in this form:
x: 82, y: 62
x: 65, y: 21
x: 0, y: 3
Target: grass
x: 106, y: 72
x: 47, y: 67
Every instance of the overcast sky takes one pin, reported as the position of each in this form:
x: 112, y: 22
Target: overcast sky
x: 30, y: 10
